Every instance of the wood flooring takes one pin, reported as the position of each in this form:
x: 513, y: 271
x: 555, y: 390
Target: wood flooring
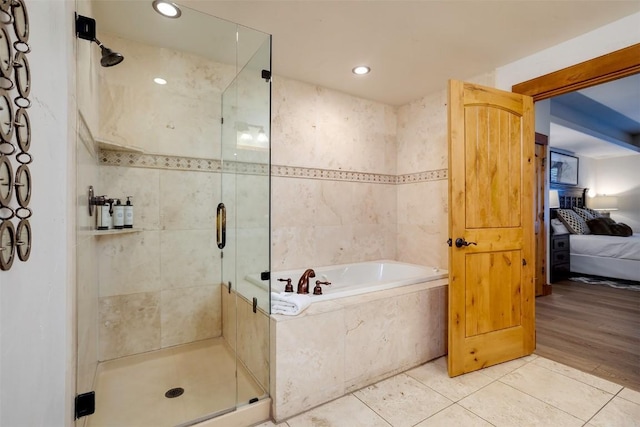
x: 593, y: 328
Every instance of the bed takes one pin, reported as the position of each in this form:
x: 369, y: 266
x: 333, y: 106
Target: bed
x: 600, y: 255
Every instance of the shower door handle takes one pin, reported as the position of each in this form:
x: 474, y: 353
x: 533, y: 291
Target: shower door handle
x: 221, y: 225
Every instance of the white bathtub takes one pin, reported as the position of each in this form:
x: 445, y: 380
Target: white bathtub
x: 354, y: 279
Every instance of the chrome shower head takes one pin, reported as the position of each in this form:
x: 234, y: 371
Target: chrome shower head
x: 109, y: 57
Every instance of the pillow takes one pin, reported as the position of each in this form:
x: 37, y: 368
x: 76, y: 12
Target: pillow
x: 596, y: 214
x: 584, y: 214
x: 600, y: 225
x: 621, y: 229
x: 572, y: 221
x: 609, y: 227
x: 558, y: 227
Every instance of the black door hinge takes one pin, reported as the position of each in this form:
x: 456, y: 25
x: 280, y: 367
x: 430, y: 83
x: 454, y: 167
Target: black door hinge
x: 255, y: 304
x: 85, y: 404
x: 266, y: 75
x: 265, y: 275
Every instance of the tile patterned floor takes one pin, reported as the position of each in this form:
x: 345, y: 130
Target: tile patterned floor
x: 531, y: 391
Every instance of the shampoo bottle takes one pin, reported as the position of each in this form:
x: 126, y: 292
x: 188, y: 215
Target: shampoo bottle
x: 118, y: 215
x: 104, y: 214
x: 128, y: 213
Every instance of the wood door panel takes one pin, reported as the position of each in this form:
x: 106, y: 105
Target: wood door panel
x: 492, y: 291
x: 492, y: 157
x: 497, y: 347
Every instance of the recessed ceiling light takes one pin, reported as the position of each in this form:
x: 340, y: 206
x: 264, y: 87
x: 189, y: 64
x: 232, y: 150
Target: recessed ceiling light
x: 166, y: 8
x: 361, y: 69
x: 160, y: 81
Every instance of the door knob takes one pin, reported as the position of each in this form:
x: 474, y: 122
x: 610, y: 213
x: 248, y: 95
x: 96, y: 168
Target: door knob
x: 460, y: 242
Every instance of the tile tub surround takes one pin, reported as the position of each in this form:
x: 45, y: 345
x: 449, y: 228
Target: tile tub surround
x: 247, y: 332
x: 338, y: 346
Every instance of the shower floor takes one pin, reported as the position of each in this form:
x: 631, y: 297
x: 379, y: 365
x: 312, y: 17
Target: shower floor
x: 131, y: 391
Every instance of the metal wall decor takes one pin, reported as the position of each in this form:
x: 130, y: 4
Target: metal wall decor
x: 15, y: 134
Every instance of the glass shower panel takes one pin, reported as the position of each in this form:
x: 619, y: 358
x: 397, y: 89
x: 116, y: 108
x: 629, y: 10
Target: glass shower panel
x: 246, y: 195
x: 154, y: 302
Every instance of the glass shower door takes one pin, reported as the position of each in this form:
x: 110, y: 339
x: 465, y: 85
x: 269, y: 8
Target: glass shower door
x: 245, y: 158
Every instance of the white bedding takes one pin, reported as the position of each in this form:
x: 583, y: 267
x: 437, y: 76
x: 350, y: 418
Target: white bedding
x: 606, y: 246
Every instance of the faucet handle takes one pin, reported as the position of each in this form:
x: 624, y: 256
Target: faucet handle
x: 288, y: 287
x: 318, y: 289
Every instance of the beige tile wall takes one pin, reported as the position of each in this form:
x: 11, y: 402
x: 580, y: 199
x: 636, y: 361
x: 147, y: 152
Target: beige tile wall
x: 169, y: 119
x: 423, y: 206
x: 323, y: 222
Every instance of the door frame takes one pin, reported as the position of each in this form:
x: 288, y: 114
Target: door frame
x: 602, y: 69
x: 605, y: 68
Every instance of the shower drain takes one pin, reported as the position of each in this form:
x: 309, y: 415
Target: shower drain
x: 174, y: 392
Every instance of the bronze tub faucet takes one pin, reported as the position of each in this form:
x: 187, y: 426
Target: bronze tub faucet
x: 303, y: 283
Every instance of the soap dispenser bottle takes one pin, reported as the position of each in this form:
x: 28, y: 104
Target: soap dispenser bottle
x: 103, y: 217
x: 118, y: 215
x: 128, y: 213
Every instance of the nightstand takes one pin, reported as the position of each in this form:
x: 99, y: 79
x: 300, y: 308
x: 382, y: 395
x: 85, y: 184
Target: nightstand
x: 560, y: 260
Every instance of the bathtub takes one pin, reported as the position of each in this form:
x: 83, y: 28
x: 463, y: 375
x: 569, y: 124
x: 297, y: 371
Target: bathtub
x: 375, y: 320
x: 354, y: 279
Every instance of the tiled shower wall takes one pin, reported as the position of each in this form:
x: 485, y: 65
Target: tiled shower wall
x: 160, y: 286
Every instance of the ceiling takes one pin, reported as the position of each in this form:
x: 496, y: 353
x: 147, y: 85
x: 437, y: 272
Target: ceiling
x: 599, y: 122
x: 413, y: 47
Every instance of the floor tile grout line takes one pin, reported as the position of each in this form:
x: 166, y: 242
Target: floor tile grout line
x: 546, y: 403
x: 453, y: 404
x: 353, y: 393
x: 457, y: 402
x: 599, y: 410
x: 624, y: 398
x: 580, y: 381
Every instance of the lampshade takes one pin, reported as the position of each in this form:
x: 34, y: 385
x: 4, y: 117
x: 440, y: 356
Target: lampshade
x: 554, y: 199
x: 604, y: 203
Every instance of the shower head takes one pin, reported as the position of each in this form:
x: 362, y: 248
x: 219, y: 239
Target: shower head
x: 109, y: 57
x: 86, y: 30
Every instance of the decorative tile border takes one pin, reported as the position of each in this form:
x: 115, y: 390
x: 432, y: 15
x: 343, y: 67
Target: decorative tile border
x: 433, y: 175
x: 155, y: 161
x: 329, y: 174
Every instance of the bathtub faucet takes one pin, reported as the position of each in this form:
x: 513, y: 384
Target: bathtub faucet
x: 303, y: 283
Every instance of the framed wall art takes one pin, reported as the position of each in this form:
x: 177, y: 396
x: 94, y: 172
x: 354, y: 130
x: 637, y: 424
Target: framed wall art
x: 563, y: 169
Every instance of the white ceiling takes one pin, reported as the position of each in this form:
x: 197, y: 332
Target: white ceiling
x: 584, y: 145
x: 623, y: 96
x: 413, y: 47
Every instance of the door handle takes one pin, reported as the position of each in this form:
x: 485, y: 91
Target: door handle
x: 460, y: 242
x: 221, y: 225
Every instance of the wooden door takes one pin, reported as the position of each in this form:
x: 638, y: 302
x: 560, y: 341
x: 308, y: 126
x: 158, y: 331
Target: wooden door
x: 491, y: 185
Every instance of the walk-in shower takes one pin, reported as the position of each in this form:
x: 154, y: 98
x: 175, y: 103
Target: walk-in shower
x: 168, y: 331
